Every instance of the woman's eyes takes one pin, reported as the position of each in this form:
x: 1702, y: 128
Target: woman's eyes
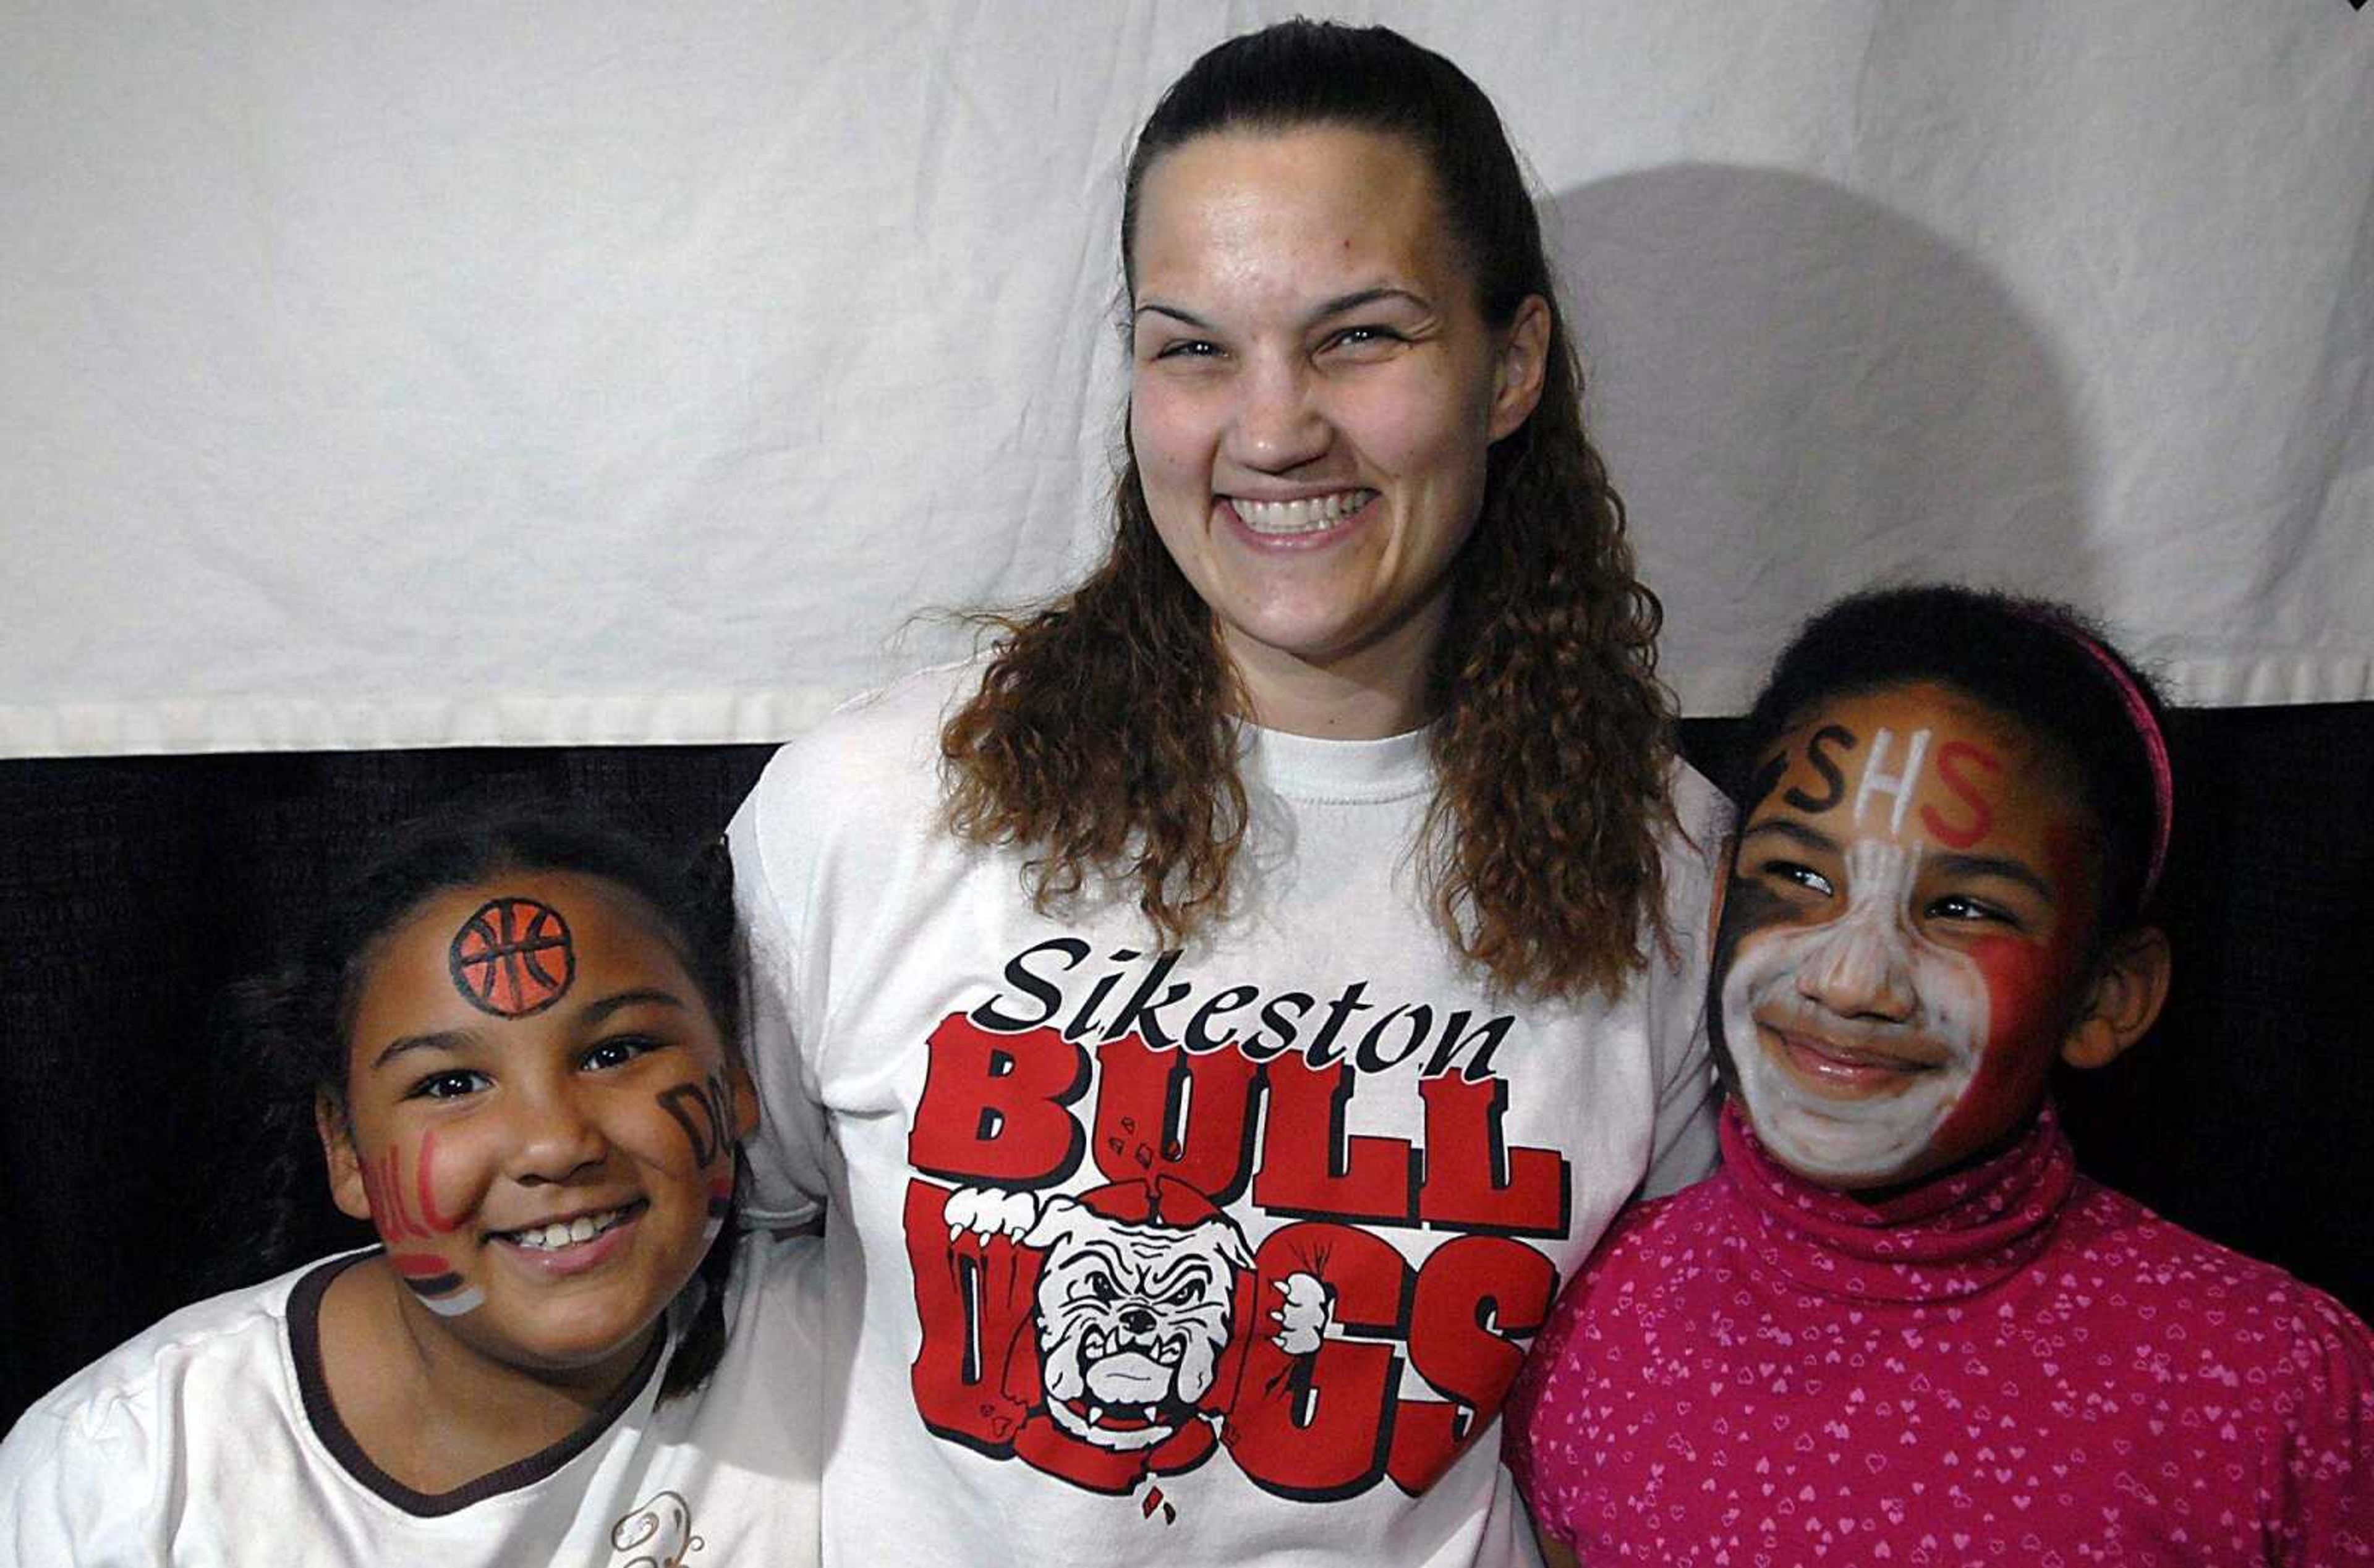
x: 1366, y: 335
x: 1361, y: 340
x: 1189, y: 348
x: 450, y: 1084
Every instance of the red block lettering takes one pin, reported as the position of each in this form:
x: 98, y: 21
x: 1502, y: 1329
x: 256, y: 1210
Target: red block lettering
x: 1168, y: 1114
x: 1473, y: 1180
x: 995, y: 1107
x: 1309, y: 1166
x: 1314, y: 1427
x: 1472, y: 1292
x: 976, y: 1374
x: 1949, y: 759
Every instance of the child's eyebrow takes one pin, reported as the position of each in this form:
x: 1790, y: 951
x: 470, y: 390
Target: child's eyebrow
x: 1796, y: 832
x: 442, y: 1040
x: 1994, y: 865
x: 596, y: 1010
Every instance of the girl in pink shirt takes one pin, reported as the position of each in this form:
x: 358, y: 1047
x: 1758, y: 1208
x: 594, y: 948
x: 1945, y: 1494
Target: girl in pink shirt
x: 1897, y: 1326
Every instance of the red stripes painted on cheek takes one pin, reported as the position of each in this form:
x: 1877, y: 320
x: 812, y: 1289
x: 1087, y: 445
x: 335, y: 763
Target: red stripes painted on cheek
x: 383, y: 1191
x: 437, y: 1222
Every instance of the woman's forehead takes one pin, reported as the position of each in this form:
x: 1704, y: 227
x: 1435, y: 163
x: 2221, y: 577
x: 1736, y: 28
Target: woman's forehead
x: 1319, y: 193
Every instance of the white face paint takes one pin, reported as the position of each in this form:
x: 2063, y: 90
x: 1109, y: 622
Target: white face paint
x: 1836, y: 1013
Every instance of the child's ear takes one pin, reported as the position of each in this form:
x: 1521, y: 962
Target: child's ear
x: 746, y: 1100
x: 2123, y: 999
x: 347, y: 1189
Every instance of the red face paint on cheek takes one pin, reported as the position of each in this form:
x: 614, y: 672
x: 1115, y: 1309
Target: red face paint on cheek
x: 2028, y: 1000
x: 400, y: 1215
x: 2031, y: 993
x: 424, y: 1188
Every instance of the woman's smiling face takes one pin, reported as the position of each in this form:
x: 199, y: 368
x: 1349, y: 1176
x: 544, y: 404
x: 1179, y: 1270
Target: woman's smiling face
x: 1314, y: 391
x: 1906, y: 935
x: 540, y: 1119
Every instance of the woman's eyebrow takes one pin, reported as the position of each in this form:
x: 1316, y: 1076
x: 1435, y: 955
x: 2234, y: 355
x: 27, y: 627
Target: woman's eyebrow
x: 1996, y: 866
x: 1358, y: 299
x: 1361, y: 297
x: 1187, y: 317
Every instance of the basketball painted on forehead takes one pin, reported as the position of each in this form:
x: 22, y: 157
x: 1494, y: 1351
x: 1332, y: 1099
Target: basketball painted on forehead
x: 512, y: 958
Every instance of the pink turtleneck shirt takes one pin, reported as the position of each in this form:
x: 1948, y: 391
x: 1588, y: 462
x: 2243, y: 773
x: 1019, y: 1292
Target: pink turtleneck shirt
x: 2007, y: 1365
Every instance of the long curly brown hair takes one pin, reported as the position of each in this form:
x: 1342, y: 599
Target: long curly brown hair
x: 1103, y: 737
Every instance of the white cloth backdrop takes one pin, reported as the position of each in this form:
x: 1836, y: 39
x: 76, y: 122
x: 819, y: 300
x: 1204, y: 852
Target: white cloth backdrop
x: 430, y: 374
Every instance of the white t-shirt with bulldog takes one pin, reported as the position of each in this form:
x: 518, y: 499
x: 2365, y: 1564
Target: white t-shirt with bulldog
x: 1215, y: 1257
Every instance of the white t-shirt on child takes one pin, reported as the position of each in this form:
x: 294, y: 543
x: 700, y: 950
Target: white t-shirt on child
x: 211, y: 1440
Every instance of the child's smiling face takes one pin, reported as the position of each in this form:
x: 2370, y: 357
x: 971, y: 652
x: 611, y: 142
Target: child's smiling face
x: 540, y: 1118
x: 1907, y: 937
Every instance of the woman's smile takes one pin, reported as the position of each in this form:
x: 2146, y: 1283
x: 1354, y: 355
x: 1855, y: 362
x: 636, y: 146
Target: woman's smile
x: 1311, y: 521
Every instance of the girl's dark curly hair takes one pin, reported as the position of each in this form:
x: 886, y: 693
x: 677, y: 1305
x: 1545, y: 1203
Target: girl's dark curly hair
x: 1102, y: 736
x: 295, y: 1020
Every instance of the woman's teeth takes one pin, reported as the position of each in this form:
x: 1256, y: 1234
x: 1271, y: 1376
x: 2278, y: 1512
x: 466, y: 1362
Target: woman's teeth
x: 568, y: 1232
x: 1300, y: 517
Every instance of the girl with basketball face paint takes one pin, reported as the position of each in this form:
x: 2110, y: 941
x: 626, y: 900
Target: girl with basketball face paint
x: 511, y: 1038
x: 539, y: 1121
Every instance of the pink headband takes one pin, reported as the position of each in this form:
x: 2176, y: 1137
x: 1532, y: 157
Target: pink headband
x: 2147, y: 729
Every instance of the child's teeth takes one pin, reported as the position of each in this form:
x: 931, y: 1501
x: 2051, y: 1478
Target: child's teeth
x: 585, y: 1228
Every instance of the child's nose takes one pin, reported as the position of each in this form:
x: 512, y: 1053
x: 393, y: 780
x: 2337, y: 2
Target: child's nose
x: 553, y: 1138
x: 1863, y: 972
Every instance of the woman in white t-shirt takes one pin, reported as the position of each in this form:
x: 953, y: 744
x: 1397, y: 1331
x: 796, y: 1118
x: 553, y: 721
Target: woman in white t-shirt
x: 1215, y: 1021
x: 515, y: 1039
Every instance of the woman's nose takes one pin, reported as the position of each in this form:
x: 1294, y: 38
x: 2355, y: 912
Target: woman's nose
x: 1277, y: 425
x: 1862, y: 971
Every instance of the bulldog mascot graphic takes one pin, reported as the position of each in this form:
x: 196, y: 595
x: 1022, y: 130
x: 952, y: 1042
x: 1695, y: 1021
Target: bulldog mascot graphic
x: 1132, y: 1307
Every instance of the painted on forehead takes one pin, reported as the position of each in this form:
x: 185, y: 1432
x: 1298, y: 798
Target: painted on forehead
x: 512, y: 958
x: 1889, y: 785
